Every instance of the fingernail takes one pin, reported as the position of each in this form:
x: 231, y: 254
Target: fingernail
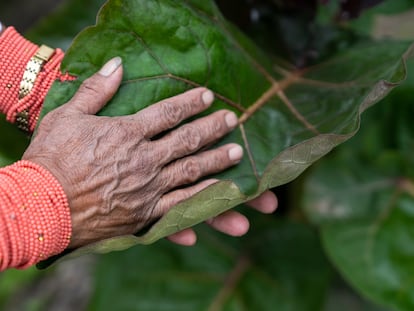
x: 207, y: 97
x: 236, y: 153
x: 231, y: 119
x: 111, y: 66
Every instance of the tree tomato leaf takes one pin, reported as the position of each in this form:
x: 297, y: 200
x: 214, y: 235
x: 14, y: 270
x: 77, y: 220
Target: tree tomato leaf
x: 288, y: 118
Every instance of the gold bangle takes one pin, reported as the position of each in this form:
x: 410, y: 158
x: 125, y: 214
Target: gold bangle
x: 33, y: 67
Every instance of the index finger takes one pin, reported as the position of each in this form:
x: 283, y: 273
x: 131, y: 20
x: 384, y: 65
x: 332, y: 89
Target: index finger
x: 170, y: 112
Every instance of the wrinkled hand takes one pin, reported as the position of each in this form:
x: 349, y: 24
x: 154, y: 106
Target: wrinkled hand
x: 120, y: 174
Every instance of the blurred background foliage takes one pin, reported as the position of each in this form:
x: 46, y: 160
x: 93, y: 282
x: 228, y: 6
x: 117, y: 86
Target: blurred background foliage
x: 311, y: 254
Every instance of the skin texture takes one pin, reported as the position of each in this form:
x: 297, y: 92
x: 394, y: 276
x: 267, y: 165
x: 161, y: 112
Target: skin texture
x: 121, y: 174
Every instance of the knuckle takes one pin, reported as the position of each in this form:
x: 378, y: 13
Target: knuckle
x: 190, y: 137
x: 192, y: 99
x: 196, y: 101
x: 89, y: 86
x: 217, y: 128
x: 171, y: 113
x: 52, y: 119
x: 91, y: 90
x: 191, y: 170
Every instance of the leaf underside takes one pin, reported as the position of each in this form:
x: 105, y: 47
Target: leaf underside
x: 288, y: 118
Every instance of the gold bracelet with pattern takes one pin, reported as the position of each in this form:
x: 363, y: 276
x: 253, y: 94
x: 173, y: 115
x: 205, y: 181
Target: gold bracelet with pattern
x: 35, y: 64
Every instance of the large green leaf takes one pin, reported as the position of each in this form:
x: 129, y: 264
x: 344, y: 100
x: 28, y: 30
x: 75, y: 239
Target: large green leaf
x: 288, y: 118
x: 363, y: 200
x: 280, y: 267
x: 370, y: 234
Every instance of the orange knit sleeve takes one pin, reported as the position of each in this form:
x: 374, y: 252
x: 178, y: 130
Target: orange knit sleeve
x: 35, y: 218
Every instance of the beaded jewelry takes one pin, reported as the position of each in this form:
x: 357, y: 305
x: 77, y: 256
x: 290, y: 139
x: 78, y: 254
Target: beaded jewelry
x: 16, y: 53
x: 35, y: 220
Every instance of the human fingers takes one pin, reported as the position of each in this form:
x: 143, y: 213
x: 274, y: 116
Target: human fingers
x: 265, y: 203
x: 186, y: 237
x: 98, y: 89
x: 190, y: 169
x: 168, y: 113
x: 191, y: 137
x: 230, y: 222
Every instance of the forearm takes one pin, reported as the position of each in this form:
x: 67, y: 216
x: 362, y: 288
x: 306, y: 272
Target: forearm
x: 27, y: 76
x: 34, y: 215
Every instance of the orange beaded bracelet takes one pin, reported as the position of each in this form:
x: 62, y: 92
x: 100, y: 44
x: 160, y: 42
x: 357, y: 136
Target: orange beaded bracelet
x: 16, y: 53
x: 35, y: 220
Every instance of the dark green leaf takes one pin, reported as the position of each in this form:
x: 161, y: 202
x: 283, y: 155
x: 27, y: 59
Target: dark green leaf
x: 281, y: 267
x: 288, y: 119
x: 369, y: 235
x: 13, y: 144
x: 59, y: 28
x: 363, y: 200
x: 13, y: 280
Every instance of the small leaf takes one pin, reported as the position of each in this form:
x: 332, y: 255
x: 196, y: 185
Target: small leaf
x: 288, y: 118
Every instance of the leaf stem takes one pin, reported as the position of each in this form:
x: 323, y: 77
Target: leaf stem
x: 277, y: 88
x: 230, y: 284
x: 249, y: 152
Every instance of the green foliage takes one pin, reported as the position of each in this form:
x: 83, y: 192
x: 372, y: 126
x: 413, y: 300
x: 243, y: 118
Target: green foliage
x: 289, y: 118
x: 227, y: 274
x: 362, y: 199
x: 13, y: 144
x: 13, y: 280
x: 59, y: 29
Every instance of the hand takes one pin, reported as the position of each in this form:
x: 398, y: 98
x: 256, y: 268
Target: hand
x: 117, y: 176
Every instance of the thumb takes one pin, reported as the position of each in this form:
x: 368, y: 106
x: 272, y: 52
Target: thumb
x: 97, y: 90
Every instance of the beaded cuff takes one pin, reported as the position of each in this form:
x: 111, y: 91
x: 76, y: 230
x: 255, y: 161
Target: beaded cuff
x: 35, y: 220
x: 27, y: 75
